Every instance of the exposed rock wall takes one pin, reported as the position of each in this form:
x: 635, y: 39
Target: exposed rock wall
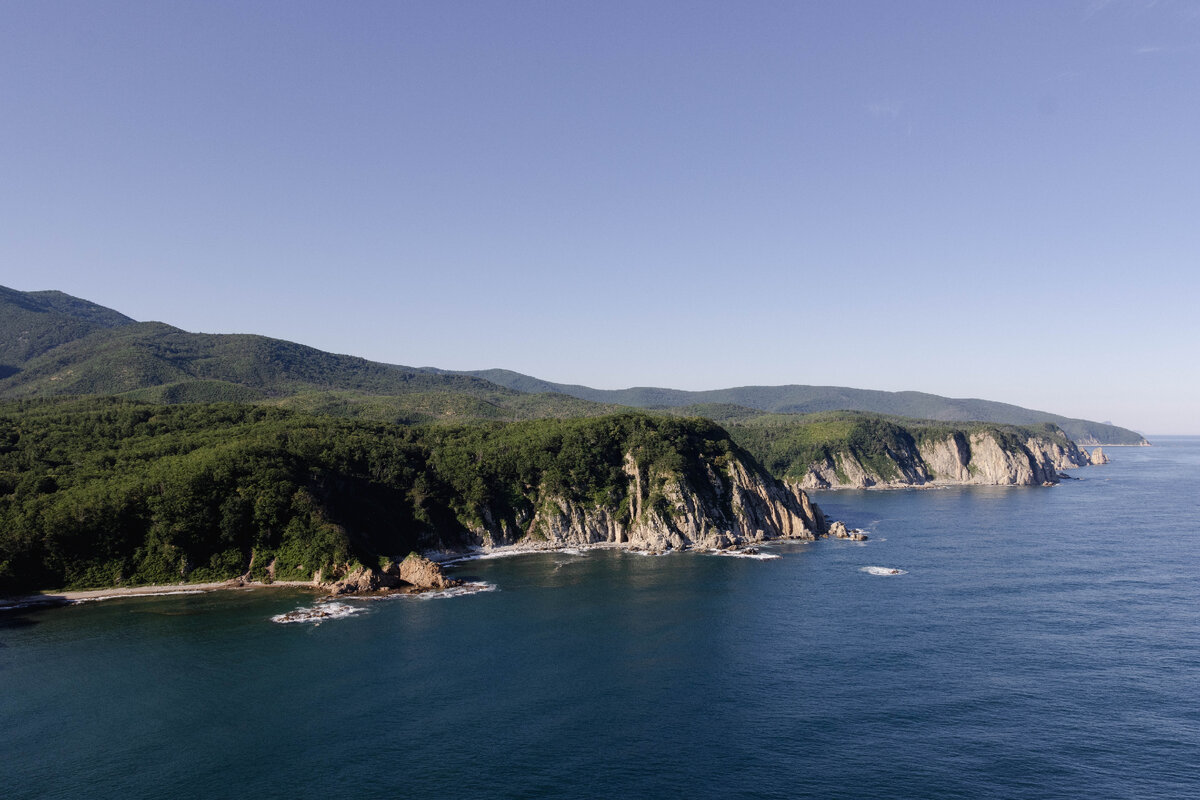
x: 729, y: 506
x: 982, y: 457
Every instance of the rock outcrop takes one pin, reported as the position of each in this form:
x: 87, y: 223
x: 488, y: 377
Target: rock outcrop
x: 418, y: 571
x: 414, y: 573
x: 838, y: 530
x: 980, y: 457
x: 361, y: 580
x: 716, y: 506
x: 1097, y: 457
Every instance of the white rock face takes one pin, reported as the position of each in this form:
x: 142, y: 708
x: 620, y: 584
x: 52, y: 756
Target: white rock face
x: 741, y: 506
x: 1098, y: 457
x: 948, y: 459
x: 980, y: 459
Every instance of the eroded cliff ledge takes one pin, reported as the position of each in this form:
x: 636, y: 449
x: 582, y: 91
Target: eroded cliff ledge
x: 985, y: 457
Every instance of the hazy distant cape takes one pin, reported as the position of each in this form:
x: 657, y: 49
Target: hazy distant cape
x: 798, y: 399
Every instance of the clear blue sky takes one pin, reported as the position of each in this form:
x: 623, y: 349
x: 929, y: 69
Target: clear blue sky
x: 976, y: 199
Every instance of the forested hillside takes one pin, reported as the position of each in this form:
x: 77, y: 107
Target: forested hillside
x: 103, y: 492
x: 32, y: 323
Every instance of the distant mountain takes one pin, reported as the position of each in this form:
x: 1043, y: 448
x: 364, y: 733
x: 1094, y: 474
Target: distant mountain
x: 32, y: 323
x: 55, y: 344
x: 141, y: 355
x: 798, y: 399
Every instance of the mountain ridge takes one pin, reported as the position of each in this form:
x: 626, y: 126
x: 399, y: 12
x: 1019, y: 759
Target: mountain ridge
x: 52, y: 343
x: 807, y: 399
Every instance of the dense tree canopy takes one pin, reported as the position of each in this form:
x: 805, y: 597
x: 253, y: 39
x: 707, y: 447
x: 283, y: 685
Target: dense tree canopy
x: 102, y: 491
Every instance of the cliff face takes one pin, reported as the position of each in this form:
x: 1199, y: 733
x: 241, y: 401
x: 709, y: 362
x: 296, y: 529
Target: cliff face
x: 983, y: 457
x: 732, y: 505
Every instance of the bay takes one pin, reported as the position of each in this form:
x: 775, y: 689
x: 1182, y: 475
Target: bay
x: 1038, y: 643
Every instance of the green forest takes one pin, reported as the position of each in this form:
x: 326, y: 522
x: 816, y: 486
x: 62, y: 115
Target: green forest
x: 105, y: 491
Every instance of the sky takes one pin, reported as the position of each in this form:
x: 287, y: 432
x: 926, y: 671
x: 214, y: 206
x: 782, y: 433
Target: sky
x: 973, y: 199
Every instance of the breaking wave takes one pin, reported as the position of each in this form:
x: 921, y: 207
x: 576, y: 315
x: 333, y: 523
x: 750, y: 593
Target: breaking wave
x: 125, y: 595
x: 317, y: 613
x: 14, y: 605
x: 474, y: 587
x: 491, y: 555
x: 886, y: 571
x: 737, y: 554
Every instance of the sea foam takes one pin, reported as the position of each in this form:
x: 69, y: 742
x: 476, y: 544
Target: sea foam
x: 883, y: 571
x: 468, y: 588
x: 126, y: 595
x: 317, y: 613
x: 474, y: 587
x: 737, y: 554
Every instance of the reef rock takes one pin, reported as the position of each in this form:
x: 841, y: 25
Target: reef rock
x: 363, y: 579
x: 1098, y: 457
x: 414, y: 572
x: 420, y: 572
x: 838, y: 530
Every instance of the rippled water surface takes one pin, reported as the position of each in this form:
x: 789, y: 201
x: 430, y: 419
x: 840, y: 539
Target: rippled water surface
x: 1034, y: 643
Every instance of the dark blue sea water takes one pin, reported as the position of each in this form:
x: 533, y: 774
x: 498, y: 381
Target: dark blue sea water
x: 1041, y: 643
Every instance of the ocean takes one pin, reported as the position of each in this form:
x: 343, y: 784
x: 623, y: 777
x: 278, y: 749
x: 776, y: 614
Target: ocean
x: 985, y: 642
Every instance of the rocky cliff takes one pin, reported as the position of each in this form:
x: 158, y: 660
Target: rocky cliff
x: 989, y: 457
x: 723, y: 505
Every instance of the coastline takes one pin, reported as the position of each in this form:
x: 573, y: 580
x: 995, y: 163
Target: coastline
x: 448, y: 558
x: 66, y: 598
x: 75, y: 596
x: 443, y: 558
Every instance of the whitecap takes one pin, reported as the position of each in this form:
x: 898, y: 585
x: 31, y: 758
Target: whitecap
x: 474, y: 587
x: 470, y: 587
x: 883, y: 571
x: 739, y: 554
x: 317, y: 613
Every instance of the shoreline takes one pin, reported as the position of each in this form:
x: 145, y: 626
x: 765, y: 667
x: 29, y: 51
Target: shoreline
x: 448, y: 558
x: 937, y: 484
x: 451, y: 558
x: 443, y: 558
x: 73, y: 597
